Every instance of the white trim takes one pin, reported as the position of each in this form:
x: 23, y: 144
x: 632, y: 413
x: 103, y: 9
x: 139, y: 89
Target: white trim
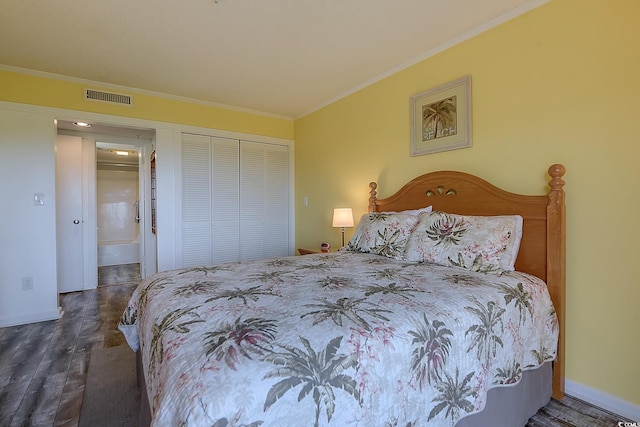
x: 603, y: 400
x: 520, y: 10
x: 31, y: 318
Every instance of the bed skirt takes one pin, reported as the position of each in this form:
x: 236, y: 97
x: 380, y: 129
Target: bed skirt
x: 144, y: 415
x: 506, y: 406
x: 513, y: 406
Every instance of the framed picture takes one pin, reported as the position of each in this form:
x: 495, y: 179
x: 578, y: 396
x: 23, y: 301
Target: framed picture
x: 441, y: 118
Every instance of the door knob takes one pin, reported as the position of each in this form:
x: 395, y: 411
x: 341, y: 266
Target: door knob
x: 76, y: 221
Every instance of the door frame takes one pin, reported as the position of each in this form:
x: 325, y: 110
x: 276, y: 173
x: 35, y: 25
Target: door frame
x: 148, y: 264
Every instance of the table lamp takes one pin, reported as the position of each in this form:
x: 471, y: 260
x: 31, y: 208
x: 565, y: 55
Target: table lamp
x: 342, y: 217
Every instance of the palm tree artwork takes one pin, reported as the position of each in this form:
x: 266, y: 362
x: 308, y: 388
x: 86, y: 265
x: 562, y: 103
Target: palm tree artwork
x: 171, y: 322
x: 253, y: 293
x: 447, y: 230
x: 542, y: 355
x: 465, y: 279
x: 392, y: 289
x: 213, y: 269
x: 388, y: 274
x: 485, y: 338
x: 199, y: 287
x: 520, y: 297
x: 271, y: 276
x: 390, y: 244
x: 432, y: 344
x: 454, y: 395
x: 349, y: 308
x: 279, y: 262
x: 144, y: 295
x: 511, y: 373
x: 319, y: 373
x: 243, y: 337
x: 439, y: 119
x: 335, y: 282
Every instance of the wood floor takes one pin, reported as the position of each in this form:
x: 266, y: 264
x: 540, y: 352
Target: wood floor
x: 43, y: 366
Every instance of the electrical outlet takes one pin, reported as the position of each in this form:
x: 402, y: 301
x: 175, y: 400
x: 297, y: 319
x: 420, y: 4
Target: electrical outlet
x: 27, y: 283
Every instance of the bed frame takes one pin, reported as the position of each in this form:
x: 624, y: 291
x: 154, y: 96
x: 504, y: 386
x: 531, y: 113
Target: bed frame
x: 542, y: 253
x: 542, y: 249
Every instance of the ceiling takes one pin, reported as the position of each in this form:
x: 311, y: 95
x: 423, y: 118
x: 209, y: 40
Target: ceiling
x: 115, y: 157
x: 98, y: 131
x: 111, y: 142
x: 281, y: 57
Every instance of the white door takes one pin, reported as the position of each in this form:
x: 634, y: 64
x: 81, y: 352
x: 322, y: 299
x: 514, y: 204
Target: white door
x: 69, y: 222
x: 264, y: 200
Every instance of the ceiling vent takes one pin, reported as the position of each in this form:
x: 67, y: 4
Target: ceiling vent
x: 109, y: 97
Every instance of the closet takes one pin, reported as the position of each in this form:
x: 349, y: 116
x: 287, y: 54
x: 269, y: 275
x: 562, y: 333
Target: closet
x: 235, y: 200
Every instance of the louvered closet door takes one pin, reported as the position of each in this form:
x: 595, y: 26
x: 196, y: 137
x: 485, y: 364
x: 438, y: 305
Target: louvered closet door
x: 235, y: 200
x: 225, y: 227
x: 196, y: 200
x: 277, y: 204
x: 264, y: 201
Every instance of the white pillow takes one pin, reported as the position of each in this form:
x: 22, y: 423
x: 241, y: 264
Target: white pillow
x: 478, y: 243
x: 412, y: 211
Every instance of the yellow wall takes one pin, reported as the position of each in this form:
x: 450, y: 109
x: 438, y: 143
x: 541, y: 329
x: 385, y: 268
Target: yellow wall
x: 558, y: 84
x: 37, y: 90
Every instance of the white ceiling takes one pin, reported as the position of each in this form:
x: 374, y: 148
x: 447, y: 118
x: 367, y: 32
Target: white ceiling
x: 282, y: 57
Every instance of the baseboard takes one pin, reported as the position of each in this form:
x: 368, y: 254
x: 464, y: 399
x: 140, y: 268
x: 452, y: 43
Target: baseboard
x: 603, y: 400
x: 31, y: 318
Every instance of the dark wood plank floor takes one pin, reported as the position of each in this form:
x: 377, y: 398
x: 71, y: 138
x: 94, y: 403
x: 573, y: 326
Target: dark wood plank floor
x: 43, y: 366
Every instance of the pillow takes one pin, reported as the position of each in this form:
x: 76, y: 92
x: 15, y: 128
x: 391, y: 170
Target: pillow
x: 478, y: 243
x: 383, y: 233
x: 412, y: 211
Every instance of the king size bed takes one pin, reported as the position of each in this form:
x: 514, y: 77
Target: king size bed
x: 446, y: 308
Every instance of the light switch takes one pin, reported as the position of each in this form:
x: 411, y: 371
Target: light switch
x: 38, y: 199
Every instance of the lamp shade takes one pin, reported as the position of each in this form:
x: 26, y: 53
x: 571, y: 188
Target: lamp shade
x: 342, y: 217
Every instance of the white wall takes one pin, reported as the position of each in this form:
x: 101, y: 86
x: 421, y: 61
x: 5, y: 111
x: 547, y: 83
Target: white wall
x: 117, y: 193
x: 27, y: 232
x: 166, y: 142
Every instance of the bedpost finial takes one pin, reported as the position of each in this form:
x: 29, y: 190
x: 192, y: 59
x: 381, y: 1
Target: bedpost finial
x: 373, y: 195
x: 556, y: 172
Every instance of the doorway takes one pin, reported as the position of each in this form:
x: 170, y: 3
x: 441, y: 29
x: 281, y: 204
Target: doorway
x: 116, y: 193
x: 118, y: 203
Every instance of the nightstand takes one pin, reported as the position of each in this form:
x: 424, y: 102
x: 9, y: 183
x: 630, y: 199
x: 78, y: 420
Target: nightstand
x: 302, y: 251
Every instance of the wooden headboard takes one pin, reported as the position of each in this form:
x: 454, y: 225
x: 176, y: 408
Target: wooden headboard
x: 542, y: 249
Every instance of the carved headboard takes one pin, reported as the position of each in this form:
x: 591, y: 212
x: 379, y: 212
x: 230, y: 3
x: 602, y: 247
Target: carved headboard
x: 542, y: 249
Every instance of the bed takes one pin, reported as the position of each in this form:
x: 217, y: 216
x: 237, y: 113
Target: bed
x: 395, y: 329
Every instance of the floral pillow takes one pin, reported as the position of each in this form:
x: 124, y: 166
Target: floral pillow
x: 383, y: 234
x: 478, y: 243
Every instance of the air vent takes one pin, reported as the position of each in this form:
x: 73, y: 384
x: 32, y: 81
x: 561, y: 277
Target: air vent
x: 110, y: 97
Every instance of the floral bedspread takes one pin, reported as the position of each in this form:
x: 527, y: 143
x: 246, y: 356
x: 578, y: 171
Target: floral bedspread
x: 340, y: 339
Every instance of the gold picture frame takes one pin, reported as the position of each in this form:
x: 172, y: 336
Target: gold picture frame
x: 441, y: 118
